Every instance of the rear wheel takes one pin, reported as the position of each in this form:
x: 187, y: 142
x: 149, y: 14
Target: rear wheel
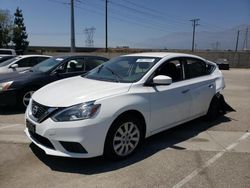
x: 214, y: 108
x: 123, y: 138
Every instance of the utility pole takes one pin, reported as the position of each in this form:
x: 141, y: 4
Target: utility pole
x: 245, y: 40
x: 73, y: 47
x: 246, y: 37
x: 237, y: 40
x: 194, y: 22
x: 106, y: 25
x: 217, y: 44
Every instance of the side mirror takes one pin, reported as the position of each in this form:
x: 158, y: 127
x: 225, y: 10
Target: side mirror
x: 162, y: 80
x: 59, y: 70
x: 14, y: 66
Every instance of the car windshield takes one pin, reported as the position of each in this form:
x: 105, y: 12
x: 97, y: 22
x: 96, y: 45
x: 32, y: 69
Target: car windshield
x: 126, y: 69
x: 9, y: 61
x: 47, y: 65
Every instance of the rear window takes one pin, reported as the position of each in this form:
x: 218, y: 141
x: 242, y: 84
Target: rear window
x: 8, y: 52
x: 196, y: 68
x: 9, y: 61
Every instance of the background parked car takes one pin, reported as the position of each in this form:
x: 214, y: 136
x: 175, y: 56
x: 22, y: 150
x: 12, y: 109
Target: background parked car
x: 4, y: 58
x: 16, y: 88
x: 22, y: 62
x: 223, y: 64
x: 4, y: 52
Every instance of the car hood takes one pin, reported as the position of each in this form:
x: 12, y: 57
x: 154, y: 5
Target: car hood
x: 76, y: 90
x: 14, y: 76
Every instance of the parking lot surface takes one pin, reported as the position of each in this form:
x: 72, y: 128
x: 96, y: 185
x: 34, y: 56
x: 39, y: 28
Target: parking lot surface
x: 195, y: 154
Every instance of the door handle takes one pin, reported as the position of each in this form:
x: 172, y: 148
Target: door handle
x: 185, y: 91
x: 211, y: 86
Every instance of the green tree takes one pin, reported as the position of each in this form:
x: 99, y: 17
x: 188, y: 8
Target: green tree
x: 6, y: 25
x: 19, y: 32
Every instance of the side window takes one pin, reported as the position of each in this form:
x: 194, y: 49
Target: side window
x: 142, y: 67
x: 5, y: 52
x: 195, y: 68
x: 91, y: 63
x: 75, y: 65
x: 39, y: 59
x: 25, y: 62
x: 171, y: 68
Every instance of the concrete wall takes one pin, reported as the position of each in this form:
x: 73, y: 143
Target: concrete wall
x: 237, y: 60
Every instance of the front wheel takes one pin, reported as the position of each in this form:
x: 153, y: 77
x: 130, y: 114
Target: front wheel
x: 25, y: 98
x: 123, y: 138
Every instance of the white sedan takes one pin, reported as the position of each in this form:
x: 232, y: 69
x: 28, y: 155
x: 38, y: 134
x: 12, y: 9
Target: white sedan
x: 114, y: 107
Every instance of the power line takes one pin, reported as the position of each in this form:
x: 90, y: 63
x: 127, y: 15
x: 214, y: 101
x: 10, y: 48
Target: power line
x: 60, y: 2
x: 123, y: 19
x: 159, y: 13
x: 145, y: 14
x: 153, y: 18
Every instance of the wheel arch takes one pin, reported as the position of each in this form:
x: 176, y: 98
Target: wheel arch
x: 136, y: 113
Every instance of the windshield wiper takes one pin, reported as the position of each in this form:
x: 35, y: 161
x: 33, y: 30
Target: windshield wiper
x: 117, y: 76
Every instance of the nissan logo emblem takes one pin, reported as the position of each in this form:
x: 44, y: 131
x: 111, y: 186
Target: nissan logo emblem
x: 34, y: 110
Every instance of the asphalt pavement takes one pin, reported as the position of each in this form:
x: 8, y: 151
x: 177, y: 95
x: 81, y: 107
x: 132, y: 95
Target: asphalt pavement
x: 194, y: 154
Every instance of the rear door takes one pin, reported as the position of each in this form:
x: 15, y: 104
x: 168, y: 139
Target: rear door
x: 201, y: 85
x: 24, y: 63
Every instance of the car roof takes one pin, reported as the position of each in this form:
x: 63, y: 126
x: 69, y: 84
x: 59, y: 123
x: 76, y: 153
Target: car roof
x: 68, y: 56
x: 162, y: 54
x: 35, y: 55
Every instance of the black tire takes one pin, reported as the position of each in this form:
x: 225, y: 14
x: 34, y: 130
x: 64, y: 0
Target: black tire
x: 214, y: 108
x: 118, y: 124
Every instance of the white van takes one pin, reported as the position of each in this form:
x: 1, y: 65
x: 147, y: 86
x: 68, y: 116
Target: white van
x: 4, y: 52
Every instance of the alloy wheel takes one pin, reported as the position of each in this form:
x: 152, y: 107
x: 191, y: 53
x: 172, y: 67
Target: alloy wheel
x: 126, y: 139
x: 27, y: 97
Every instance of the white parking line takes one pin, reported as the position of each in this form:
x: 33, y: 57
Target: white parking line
x: 9, y: 126
x: 210, y: 161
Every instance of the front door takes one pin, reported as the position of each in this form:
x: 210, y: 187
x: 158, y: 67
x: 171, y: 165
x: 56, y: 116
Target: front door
x: 170, y: 104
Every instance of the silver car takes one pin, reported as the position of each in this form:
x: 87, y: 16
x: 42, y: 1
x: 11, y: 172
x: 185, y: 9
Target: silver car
x: 21, y: 62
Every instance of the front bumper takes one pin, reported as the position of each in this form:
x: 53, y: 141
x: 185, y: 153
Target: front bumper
x: 89, y: 133
x: 9, y: 97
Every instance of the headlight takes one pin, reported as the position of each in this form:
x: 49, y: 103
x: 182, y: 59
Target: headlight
x: 5, y: 85
x: 77, y: 112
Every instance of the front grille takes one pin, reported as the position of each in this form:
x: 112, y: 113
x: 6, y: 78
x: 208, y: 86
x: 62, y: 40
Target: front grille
x: 41, y: 112
x: 38, y: 110
x: 41, y: 140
